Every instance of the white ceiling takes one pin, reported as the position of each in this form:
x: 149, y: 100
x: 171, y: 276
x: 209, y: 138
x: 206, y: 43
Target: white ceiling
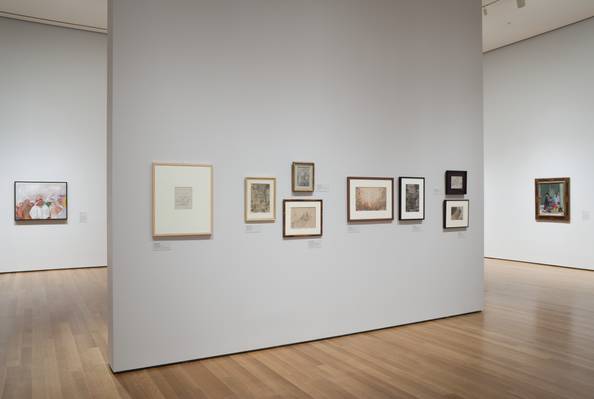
x: 504, y: 23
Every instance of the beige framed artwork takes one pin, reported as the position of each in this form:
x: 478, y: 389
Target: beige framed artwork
x: 260, y: 199
x: 182, y: 200
x: 303, y: 177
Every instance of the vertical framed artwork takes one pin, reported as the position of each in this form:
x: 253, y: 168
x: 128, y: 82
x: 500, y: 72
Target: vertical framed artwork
x: 456, y: 182
x: 260, y: 199
x: 552, y: 199
x: 302, y: 218
x: 370, y: 199
x: 182, y: 199
x: 40, y: 200
x: 455, y: 214
x: 412, y: 198
x: 303, y: 177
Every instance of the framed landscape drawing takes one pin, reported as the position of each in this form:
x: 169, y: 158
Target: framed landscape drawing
x: 40, y: 200
x: 260, y: 199
x: 455, y: 214
x: 455, y: 182
x: 302, y: 177
x: 302, y: 218
x: 370, y: 199
x: 412, y: 198
x: 552, y: 199
x: 182, y: 199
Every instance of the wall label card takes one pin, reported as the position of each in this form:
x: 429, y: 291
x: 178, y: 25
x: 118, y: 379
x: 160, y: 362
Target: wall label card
x: 161, y: 247
x: 314, y: 244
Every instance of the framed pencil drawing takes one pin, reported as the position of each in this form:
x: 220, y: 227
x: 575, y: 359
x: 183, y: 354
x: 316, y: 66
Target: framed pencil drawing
x: 260, y: 199
x: 455, y: 214
x: 552, y: 199
x: 370, y: 199
x: 182, y: 200
x: 302, y: 218
x: 456, y: 182
x: 412, y: 198
x: 303, y: 177
x: 40, y: 200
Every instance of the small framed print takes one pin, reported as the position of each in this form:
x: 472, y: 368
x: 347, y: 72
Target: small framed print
x: 552, y: 199
x: 260, y: 199
x: 412, y: 198
x: 182, y: 200
x: 303, y: 177
x: 455, y: 214
x: 455, y: 181
x: 302, y: 218
x: 370, y: 199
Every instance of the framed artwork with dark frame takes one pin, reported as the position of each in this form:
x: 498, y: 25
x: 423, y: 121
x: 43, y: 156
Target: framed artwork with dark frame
x: 260, y: 199
x: 40, y: 200
x: 552, y: 199
x: 302, y: 218
x: 456, y: 182
x: 303, y: 177
x: 412, y: 198
x: 455, y: 214
x: 370, y: 199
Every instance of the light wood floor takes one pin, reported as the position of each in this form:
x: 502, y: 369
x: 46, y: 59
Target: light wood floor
x: 535, y: 339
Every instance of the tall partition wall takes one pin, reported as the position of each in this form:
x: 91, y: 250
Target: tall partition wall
x: 360, y: 88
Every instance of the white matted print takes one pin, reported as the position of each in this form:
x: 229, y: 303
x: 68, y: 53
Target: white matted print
x: 412, y: 198
x: 370, y: 198
x: 455, y: 214
x: 182, y: 199
x: 302, y: 218
x: 260, y: 199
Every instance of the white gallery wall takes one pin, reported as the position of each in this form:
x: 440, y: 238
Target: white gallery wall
x: 53, y: 127
x: 539, y: 122
x: 361, y: 88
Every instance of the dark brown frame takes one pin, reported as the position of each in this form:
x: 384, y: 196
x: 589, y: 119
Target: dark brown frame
x: 400, y: 197
x: 391, y: 218
x: 38, y: 220
x: 456, y: 191
x: 444, y: 213
x: 566, y: 198
x: 313, y: 177
x: 285, y: 201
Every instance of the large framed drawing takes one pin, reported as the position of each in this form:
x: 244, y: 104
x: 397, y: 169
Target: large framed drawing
x: 456, y: 182
x: 370, y: 199
x: 182, y: 199
x: 412, y: 198
x: 455, y: 214
x: 552, y: 199
x: 303, y: 177
x: 302, y: 218
x: 260, y: 199
x: 40, y: 200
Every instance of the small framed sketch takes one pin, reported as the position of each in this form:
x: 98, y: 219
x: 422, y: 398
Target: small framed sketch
x: 412, y: 198
x: 455, y: 182
x: 302, y: 218
x: 40, y: 200
x: 455, y: 214
x: 303, y: 177
x: 370, y: 199
x: 260, y: 199
x: 552, y: 199
x: 182, y: 199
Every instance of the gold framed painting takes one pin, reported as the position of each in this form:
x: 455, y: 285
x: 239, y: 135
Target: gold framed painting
x: 182, y: 200
x: 552, y: 199
x: 260, y: 199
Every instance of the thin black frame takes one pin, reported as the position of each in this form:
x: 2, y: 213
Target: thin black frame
x: 400, y: 204
x: 303, y: 235
x: 456, y: 191
x: 44, y: 182
x: 444, y: 213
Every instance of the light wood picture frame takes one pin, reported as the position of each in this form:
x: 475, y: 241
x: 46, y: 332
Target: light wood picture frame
x: 259, y: 199
x: 303, y: 177
x: 303, y: 218
x: 182, y: 199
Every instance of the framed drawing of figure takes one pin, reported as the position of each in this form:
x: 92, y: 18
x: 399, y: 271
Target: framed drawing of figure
x: 303, y: 177
x: 552, y: 199
x: 370, y: 199
x: 40, y: 200
x: 260, y: 199
x: 302, y: 218
x: 412, y: 198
